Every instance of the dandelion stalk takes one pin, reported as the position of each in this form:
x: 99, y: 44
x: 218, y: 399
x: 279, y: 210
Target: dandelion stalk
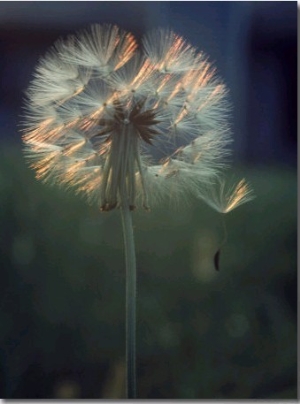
x: 130, y: 298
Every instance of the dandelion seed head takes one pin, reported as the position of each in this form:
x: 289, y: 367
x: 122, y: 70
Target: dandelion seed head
x: 108, y: 117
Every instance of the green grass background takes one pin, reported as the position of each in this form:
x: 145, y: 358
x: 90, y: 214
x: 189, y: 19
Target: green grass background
x: 201, y: 333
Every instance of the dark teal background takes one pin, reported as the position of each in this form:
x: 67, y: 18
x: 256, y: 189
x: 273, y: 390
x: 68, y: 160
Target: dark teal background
x: 201, y: 333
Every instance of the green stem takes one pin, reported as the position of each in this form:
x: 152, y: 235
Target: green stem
x: 130, y: 297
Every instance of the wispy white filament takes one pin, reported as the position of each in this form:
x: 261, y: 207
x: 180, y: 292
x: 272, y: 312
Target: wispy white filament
x: 103, y: 115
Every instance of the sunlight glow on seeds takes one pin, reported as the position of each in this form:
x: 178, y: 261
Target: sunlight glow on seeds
x: 97, y: 100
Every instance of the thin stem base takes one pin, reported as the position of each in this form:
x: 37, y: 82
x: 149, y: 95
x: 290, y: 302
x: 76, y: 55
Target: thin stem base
x: 130, y: 299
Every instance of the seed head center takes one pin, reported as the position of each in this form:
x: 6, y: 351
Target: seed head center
x: 141, y: 119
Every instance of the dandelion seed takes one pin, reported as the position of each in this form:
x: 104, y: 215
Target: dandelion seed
x: 225, y: 200
x: 217, y: 260
x: 100, y: 111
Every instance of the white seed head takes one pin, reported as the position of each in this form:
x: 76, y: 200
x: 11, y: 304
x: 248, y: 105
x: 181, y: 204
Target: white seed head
x: 106, y: 118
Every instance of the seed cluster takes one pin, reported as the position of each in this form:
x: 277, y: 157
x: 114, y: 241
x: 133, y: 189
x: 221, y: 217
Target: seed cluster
x: 101, y: 114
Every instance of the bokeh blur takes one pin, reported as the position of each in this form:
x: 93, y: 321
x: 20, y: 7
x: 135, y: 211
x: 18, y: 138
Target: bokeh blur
x: 201, y: 333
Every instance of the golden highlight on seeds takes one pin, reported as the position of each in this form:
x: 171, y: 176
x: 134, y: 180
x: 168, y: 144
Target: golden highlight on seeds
x: 107, y: 116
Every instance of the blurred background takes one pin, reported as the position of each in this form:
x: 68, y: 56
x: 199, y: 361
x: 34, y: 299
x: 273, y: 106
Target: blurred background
x: 201, y: 333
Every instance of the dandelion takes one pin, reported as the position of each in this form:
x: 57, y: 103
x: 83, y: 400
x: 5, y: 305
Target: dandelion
x: 128, y: 126
x: 104, y: 117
